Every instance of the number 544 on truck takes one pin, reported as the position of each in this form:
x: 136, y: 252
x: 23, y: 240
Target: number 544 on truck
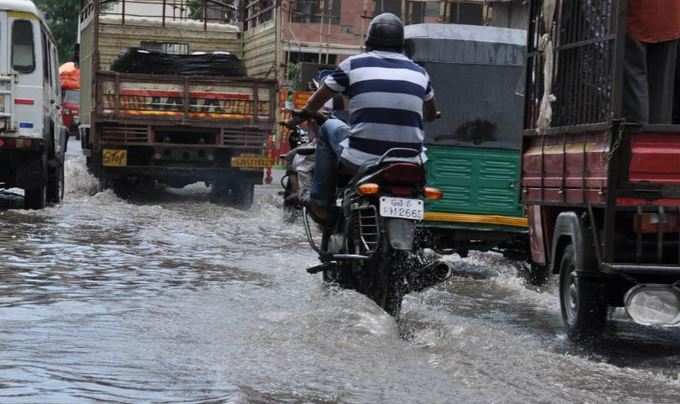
x: 164, y: 98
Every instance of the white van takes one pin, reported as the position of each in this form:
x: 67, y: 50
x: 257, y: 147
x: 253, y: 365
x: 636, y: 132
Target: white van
x: 32, y: 137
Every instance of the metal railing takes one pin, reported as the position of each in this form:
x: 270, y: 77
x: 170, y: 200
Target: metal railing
x: 165, y: 11
x: 587, y: 60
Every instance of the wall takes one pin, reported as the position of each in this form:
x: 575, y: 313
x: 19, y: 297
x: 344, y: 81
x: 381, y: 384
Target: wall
x: 260, y: 49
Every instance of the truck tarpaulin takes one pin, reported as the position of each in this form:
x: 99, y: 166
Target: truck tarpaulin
x: 143, y: 61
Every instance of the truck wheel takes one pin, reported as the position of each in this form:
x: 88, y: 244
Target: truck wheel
x: 582, y: 300
x: 36, y: 198
x: 242, y: 195
x: 55, y: 184
x: 219, y: 192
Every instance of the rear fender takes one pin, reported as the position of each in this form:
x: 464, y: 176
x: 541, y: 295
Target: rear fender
x: 570, y: 229
x: 400, y: 233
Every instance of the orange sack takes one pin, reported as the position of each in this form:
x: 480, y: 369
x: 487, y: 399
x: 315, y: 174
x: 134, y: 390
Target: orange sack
x: 69, y: 76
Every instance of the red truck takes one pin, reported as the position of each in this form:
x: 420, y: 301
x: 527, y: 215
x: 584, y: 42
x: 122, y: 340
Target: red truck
x: 602, y: 193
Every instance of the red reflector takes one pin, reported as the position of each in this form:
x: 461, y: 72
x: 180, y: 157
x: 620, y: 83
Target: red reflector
x: 653, y: 222
x: 402, y: 191
x: 23, y: 101
x: 404, y: 174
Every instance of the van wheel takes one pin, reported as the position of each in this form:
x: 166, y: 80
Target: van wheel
x: 582, y: 300
x: 36, y: 198
x: 55, y: 184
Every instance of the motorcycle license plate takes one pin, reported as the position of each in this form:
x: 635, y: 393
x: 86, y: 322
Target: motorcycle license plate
x: 402, y: 208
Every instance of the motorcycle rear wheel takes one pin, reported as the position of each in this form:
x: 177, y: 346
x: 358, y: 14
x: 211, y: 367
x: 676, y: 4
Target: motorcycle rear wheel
x: 381, y: 281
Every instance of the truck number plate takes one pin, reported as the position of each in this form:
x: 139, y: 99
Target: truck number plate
x: 248, y: 161
x: 402, y: 208
x: 114, y: 158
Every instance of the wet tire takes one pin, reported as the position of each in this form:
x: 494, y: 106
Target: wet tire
x: 35, y: 198
x: 582, y: 301
x: 381, y: 282
x: 55, y: 184
x: 242, y: 196
x: 290, y: 210
x: 537, y: 275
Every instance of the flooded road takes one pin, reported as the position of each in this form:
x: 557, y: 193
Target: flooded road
x: 171, y: 298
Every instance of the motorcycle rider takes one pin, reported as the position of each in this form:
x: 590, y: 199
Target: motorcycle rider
x: 389, y: 96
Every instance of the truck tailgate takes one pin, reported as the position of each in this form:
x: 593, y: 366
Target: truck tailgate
x: 185, y: 100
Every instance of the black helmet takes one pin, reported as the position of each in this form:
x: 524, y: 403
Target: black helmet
x: 386, y: 32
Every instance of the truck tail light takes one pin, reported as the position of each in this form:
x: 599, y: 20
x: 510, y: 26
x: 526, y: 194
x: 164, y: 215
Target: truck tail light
x: 9, y: 143
x: 23, y: 101
x: 653, y: 222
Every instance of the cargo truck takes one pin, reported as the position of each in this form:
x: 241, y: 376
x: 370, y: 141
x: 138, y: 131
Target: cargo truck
x: 172, y: 127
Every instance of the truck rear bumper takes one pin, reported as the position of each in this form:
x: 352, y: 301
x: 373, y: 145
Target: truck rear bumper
x: 184, y: 173
x: 641, y: 269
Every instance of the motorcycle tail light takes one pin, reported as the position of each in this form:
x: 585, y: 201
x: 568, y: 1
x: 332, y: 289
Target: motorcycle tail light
x: 433, y: 194
x: 368, y: 189
x: 404, y: 173
x: 402, y: 191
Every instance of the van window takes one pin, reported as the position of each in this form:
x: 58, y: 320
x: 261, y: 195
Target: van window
x: 23, y: 52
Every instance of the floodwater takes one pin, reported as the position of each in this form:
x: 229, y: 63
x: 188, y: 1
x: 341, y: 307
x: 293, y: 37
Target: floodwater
x: 170, y: 298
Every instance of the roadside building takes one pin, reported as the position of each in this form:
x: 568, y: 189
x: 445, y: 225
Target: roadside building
x: 281, y: 37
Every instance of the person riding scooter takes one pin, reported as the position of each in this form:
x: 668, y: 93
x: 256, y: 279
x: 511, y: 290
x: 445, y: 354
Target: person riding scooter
x: 389, y: 96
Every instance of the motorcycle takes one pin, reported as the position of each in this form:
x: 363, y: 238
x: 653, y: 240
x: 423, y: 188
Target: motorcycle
x: 299, y: 162
x: 369, y: 241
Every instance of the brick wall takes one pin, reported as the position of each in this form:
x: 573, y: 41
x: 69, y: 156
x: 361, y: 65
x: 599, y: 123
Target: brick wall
x: 349, y: 32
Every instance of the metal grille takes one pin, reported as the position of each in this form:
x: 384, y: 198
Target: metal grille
x: 125, y: 134
x: 245, y: 137
x: 584, y: 35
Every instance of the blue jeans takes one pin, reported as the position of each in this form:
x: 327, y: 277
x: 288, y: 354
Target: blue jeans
x: 328, y: 151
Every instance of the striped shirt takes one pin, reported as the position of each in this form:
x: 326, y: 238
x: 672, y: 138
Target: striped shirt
x: 386, y: 92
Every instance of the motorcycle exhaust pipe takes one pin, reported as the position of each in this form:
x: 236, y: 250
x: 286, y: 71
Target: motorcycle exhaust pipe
x: 440, y: 271
x: 428, y: 276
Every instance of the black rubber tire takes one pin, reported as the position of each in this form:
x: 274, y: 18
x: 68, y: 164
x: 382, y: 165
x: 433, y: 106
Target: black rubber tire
x: 242, y: 196
x: 380, y: 281
x: 537, y: 275
x: 582, y: 300
x: 36, y: 198
x: 290, y: 210
x: 122, y: 188
x: 55, y: 184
